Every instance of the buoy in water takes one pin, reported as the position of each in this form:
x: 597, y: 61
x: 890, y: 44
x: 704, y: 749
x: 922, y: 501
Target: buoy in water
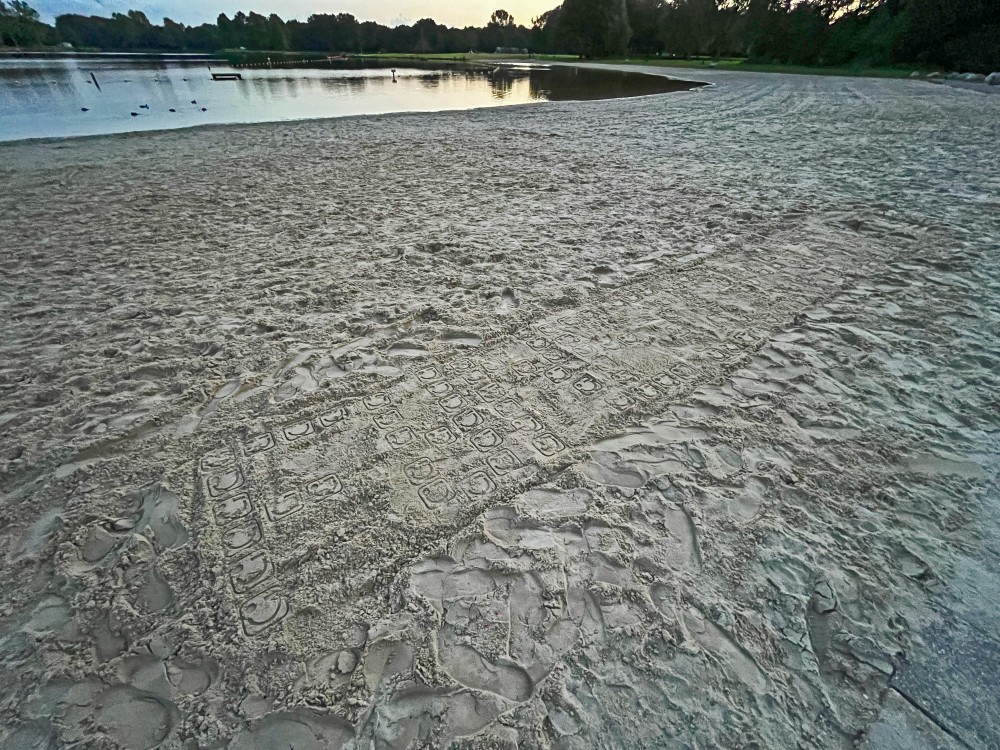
x: 134, y: 114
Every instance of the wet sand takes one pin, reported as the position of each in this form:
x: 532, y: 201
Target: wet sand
x: 664, y: 422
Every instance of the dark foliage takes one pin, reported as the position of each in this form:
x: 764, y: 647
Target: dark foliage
x: 326, y: 32
x: 949, y: 34
x: 593, y: 28
x: 20, y: 27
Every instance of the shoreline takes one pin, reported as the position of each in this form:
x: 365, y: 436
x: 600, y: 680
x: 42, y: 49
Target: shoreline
x: 696, y: 85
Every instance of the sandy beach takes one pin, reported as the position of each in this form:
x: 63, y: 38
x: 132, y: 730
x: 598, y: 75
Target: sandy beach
x: 657, y: 422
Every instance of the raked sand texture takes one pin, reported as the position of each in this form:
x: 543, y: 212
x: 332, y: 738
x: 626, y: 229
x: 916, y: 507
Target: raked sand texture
x: 667, y: 422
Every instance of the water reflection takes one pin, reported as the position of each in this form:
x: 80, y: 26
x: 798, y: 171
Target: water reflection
x: 50, y: 97
x: 502, y: 83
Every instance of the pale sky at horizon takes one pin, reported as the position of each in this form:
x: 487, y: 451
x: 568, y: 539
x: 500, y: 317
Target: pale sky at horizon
x: 392, y: 12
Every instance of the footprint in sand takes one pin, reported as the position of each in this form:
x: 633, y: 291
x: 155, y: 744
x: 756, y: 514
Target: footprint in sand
x: 721, y: 646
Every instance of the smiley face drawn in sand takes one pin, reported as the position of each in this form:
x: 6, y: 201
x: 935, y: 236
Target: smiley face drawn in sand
x: 436, y: 493
x: 258, y: 443
x: 231, y: 508
x: 298, y: 430
x: 333, y: 418
x: 401, y: 437
x: 548, y: 444
x: 486, y: 440
x: 221, y: 484
x: 441, y: 436
x: 468, y: 420
x: 419, y: 471
x: 263, y: 612
x: 439, y: 388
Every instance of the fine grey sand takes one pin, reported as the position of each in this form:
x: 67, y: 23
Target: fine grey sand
x: 666, y: 422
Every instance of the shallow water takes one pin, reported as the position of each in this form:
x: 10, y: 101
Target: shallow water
x: 45, y: 97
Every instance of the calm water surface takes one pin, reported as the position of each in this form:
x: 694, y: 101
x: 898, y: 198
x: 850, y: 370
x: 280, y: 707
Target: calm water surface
x: 47, y: 97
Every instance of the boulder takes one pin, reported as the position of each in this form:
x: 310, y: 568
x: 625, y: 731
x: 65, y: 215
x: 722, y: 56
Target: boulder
x: 973, y: 78
x: 993, y: 79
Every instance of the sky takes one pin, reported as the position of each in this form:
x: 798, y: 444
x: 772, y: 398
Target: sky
x: 391, y: 12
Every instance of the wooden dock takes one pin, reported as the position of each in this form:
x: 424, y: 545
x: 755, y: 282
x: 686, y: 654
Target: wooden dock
x: 227, y: 77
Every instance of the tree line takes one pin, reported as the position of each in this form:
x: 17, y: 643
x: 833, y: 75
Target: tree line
x: 324, y: 32
x: 953, y: 34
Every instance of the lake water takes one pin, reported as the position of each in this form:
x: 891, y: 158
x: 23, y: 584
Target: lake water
x: 43, y: 97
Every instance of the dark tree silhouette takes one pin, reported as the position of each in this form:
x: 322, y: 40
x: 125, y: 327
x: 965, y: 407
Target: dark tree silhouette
x: 594, y: 28
x: 20, y: 27
x: 950, y: 34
